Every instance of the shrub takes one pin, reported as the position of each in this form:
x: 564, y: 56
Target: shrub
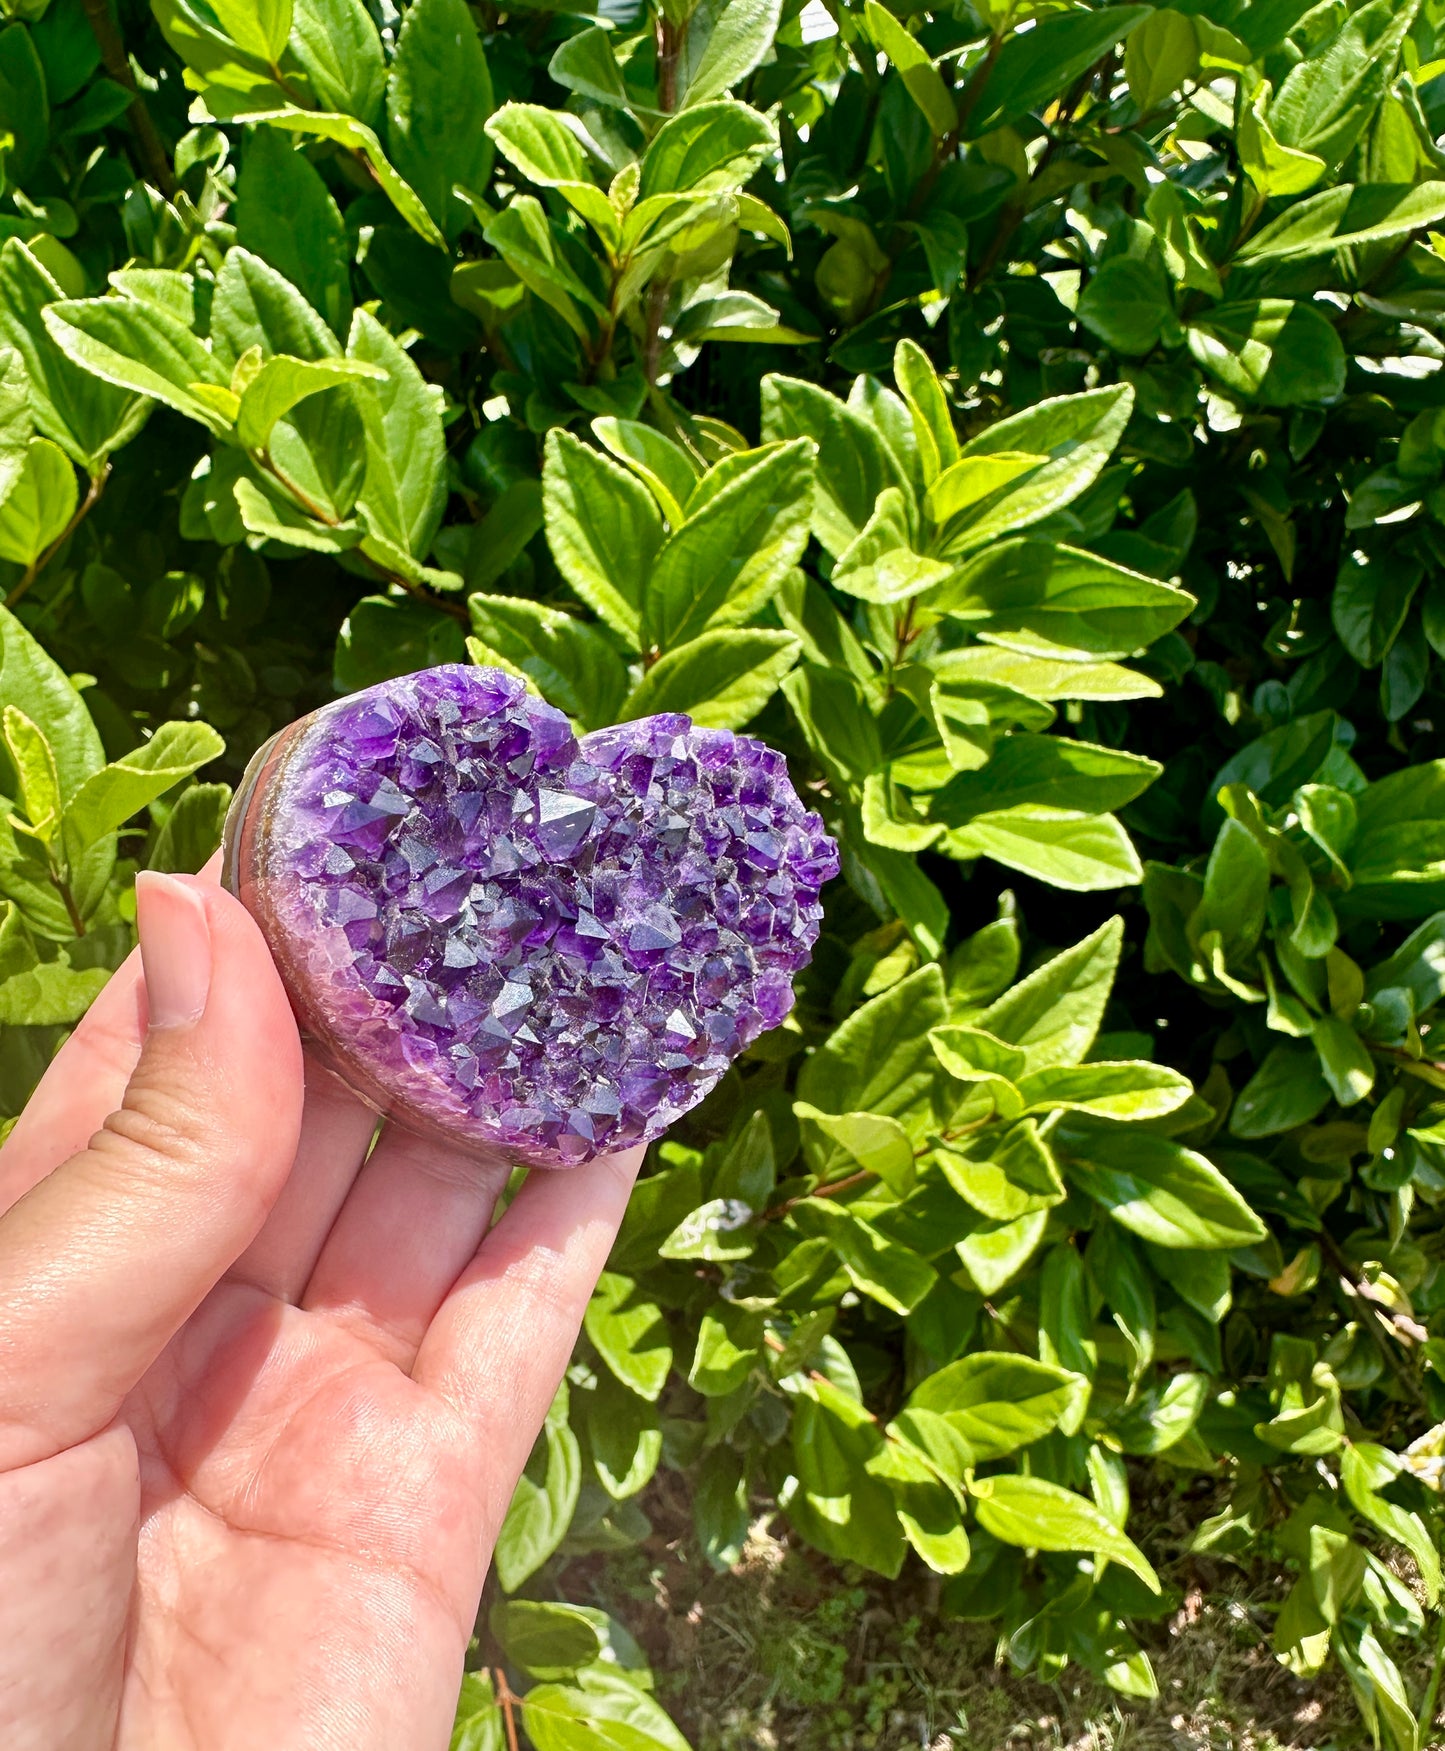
x: 1027, y: 415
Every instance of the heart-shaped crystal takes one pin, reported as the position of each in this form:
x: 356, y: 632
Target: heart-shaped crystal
x: 536, y: 945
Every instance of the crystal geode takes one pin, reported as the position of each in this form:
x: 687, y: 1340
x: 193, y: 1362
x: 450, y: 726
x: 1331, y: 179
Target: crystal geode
x: 497, y: 933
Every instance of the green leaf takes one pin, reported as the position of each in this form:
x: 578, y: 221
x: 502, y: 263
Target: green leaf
x: 1160, y: 56
x: 479, y: 1725
x: 1399, y: 851
x: 357, y: 137
x: 1348, y: 1067
x: 1346, y: 217
x: 995, y: 1252
x: 629, y: 1333
x: 34, y: 684
x: 1037, y: 1515
x: 573, y: 665
x: 722, y: 1228
x: 1004, y: 1178
x: 729, y: 1347
x: 1159, y: 1190
x: 918, y: 384
x: 1127, y: 304
x: 999, y: 1402
x: 664, y: 467
x: 853, y: 463
x: 724, y: 41
x: 720, y: 1506
x: 1274, y: 168
x: 586, y: 64
x: 923, y: 80
x: 722, y: 680
x: 870, y: 1141
x: 109, y: 798
x: 24, y: 102
x: 602, y: 1710
x: 438, y: 99
x: 282, y: 383
x: 1076, y: 433
x: 1054, y: 1014
x: 1163, y: 1416
x: 140, y: 347
x: 33, y: 761
x: 706, y: 148
x: 1270, y: 350
x: 1084, y: 852
x: 539, y: 143
x: 1366, y: 1468
x: 880, y: 1060
x: 624, y: 1437
x: 1111, y: 1091
x: 192, y: 829
x: 405, y: 492
x: 544, y: 1501
x: 257, y: 27
x: 1236, y: 888
x: 730, y: 556
x: 548, y: 1641
x: 336, y: 45
x: 877, y: 1266
x: 1287, y: 1090
x: 16, y: 425
x: 1034, y: 66
x: 38, y: 507
x: 286, y: 215
x: 881, y: 565
x: 1327, y: 99
x: 1051, y: 771
x: 384, y: 636
x: 595, y: 511
x: 41, y: 993
x: 73, y: 408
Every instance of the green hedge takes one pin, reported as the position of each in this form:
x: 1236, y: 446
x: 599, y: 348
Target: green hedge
x: 1030, y: 417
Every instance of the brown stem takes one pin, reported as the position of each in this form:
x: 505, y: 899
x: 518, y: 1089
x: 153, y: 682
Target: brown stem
x: 113, y: 55
x: 82, y: 511
x: 669, y: 48
x: 506, y: 1697
x: 63, y: 889
x: 652, y: 348
x: 828, y: 1191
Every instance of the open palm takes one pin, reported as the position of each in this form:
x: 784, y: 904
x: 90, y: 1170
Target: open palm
x: 264, y: 1396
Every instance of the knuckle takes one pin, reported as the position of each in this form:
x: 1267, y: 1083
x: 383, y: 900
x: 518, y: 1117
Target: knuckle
x: 156, y: 1127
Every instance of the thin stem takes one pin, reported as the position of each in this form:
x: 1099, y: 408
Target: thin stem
x: 62, y: 887
x: 669, y: 48
x: 117, y: 64
x: 82, y: 511
x: 652, y: 347
x: 505, y: 1699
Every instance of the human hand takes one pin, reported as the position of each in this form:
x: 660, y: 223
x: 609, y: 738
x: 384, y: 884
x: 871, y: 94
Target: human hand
x: 263, y: 1398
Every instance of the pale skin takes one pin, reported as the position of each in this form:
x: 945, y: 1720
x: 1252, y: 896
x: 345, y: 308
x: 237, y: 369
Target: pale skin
x: 263, y: 1399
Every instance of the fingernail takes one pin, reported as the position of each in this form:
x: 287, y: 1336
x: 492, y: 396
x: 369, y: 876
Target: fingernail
x: 175, y: 949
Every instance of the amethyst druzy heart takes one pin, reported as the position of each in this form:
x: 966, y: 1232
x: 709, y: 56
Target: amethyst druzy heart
x: 529, y: 943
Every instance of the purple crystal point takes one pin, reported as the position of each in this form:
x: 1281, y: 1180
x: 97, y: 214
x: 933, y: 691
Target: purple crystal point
x: 531, y: 944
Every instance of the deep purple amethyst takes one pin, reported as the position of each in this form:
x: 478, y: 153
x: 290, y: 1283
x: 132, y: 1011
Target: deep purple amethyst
x: 544, y: 946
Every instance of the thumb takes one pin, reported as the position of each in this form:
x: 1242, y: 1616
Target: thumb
x: 105, y: 1259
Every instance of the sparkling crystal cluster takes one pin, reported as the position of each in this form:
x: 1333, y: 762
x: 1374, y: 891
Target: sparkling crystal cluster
x: 547, y: 946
